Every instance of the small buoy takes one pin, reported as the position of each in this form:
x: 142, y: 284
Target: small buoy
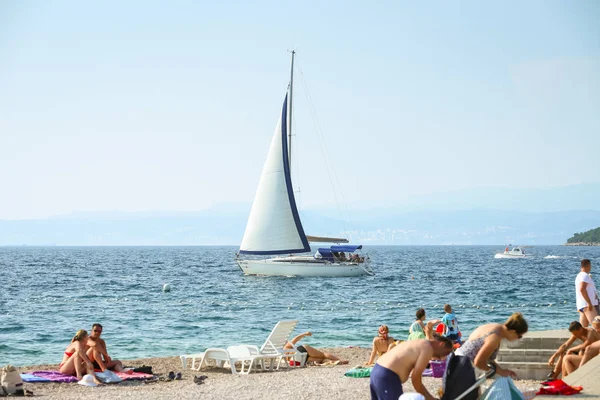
x: 166, y: 287
x: 565, y: 302
x: 412, y: 277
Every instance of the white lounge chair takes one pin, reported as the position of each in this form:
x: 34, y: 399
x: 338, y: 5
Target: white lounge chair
x: 272, y: 350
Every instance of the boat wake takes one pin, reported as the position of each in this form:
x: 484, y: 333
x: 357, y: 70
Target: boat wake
x: 552, y: 257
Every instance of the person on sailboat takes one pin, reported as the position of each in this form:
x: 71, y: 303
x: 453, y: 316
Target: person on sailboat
x: 312, y: 354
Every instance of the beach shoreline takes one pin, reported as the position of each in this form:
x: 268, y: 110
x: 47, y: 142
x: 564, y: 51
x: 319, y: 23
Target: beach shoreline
x: 312, y: 382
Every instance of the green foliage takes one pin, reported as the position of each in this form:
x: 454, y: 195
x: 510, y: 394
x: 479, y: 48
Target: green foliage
x: 591, y: 236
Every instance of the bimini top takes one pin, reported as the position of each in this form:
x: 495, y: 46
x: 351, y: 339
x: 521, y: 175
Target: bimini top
x: 327, y: 253
x: 346, y: 247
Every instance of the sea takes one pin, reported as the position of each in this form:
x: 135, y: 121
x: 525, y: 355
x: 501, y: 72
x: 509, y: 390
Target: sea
x: 48, y: 293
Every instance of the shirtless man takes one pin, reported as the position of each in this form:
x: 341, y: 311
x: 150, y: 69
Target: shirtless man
x: 394, y: 367
x: 381, y: 344
x: 577, y: 332
x: 98, y: 354
x: 573, y: 360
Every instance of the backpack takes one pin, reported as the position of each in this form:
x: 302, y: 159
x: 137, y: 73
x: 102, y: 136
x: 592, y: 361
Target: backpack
x: 10, y: 380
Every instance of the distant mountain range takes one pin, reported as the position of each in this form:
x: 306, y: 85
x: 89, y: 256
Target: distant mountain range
x: 451, y: 218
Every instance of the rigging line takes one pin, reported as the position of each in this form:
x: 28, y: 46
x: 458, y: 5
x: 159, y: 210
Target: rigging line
x: 330, y: 168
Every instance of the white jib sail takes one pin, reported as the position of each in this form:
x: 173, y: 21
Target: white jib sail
x: 274, y: 225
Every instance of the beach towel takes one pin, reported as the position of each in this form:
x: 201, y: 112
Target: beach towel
x: 559, y: 387
x: 54, y: 376
x: 133, y: 376
x: 359, y: 372
x: 33, y: 379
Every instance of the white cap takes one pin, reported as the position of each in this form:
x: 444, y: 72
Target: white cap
x: 412, y: 396
x: 87, y: 380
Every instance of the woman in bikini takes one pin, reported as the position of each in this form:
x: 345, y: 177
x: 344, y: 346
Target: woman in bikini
x: 313, y: 355
x: 75, y: 360
x: 381, y: 344
x: 480, y: 350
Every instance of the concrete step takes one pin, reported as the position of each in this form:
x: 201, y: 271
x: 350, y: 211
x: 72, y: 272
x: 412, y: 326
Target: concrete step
x: 528, y: 370
x: 535, y: 343
x: 525, y: 355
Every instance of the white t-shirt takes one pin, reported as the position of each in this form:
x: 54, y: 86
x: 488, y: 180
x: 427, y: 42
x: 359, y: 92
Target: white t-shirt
x: 591, y: 290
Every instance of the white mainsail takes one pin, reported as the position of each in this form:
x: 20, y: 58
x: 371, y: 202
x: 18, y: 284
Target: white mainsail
x: 274, y: 226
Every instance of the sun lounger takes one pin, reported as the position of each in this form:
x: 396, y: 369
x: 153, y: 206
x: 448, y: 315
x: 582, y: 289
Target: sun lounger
x: 246, y: 355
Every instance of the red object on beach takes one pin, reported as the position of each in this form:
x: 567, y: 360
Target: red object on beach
x: 440, y: 328
x: 559, y: 387
x: 294, y: 363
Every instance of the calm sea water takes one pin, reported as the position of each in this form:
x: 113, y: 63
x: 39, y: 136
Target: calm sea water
x: 48, y: 293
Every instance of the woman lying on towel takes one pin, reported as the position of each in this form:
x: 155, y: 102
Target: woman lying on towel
x: 75, y: 362
x: 313, y: 355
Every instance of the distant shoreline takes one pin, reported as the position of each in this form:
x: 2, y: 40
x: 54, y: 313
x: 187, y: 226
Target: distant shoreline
x: 582, y: 244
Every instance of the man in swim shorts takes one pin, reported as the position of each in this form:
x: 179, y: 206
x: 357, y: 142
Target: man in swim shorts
x: 394, y: 367
x: 97, y: 352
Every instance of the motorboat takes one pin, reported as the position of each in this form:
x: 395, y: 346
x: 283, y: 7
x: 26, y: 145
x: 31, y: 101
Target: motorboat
x: 515, y: 252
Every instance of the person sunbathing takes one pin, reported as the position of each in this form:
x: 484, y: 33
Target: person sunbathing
x: 313, y: 355
x: 75, y: 361
x: 394, y: 367
x: 97, y: 352
x: 574, y: 358
x: 381, y: 344
x: 556, y: 360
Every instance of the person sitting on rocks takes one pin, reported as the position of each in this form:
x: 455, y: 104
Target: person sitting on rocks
x: 574, y: 358
x: 313, y: 355
x: 556, y: 361
x: 98, y: 354
x: 381, y: 344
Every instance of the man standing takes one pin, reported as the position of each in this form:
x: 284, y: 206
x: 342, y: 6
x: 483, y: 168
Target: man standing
x: 394, y: 367
x: 585, y: 294
x: 97, y: 352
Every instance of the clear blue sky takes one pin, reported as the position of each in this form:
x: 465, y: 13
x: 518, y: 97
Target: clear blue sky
x: 146, y: 105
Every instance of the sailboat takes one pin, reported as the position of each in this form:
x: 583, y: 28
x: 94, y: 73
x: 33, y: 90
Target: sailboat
x: 274, y: 226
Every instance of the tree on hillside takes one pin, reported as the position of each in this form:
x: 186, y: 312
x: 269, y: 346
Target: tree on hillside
x: 591, y: 236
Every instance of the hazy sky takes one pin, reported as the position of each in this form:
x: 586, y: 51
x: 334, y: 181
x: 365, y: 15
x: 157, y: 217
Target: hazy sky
x: 145, y: 105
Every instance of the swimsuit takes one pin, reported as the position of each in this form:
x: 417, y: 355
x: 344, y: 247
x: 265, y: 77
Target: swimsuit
x: 416, y: 331
x: 69, y: 355
x: 385, y: 384
x: 472, y: 347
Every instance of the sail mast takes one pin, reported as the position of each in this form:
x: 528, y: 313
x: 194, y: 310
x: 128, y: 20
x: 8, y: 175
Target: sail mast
x: 290, y: 112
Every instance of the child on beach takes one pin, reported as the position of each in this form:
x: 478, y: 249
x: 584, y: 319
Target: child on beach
x: 450, y: 324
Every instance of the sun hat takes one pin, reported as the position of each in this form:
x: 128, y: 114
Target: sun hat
x: 87, y: 380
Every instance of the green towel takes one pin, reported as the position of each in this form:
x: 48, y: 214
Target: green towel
x: 359, y: 372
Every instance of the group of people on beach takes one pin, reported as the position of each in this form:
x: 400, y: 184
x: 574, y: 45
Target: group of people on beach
x: 87, y: 354
x: 567, y: 359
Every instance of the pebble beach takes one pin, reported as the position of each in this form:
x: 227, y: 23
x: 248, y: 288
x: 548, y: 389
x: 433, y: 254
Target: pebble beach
x: 312, y: 382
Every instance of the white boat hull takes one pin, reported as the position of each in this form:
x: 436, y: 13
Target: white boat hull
x: 502, y: 255
x: 300, y: 267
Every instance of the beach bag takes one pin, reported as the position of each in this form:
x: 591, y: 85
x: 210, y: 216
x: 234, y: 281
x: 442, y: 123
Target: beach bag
x: 438, y: 367
x: 359, y: 372
x: 503, y: 388
x: 10, y: 380
x: 108, y: 377
x: 459, y: 377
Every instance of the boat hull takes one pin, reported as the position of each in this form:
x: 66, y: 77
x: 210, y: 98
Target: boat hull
x: 282, y: 267
x: 514, y: 256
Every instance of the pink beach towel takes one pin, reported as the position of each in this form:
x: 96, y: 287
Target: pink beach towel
x: 54, y: 376
x: 133, y: 376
